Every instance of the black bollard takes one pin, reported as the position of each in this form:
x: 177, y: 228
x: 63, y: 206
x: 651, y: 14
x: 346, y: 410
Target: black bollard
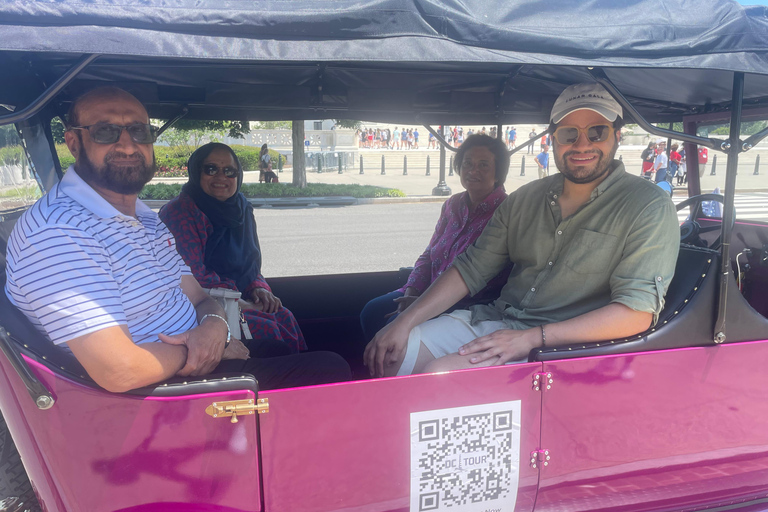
x: 339, y: 162
x: 279, y: 163
x: 620, y: 158
x: 361, y: 164
x: 714, y: 166
x: 383, y: 172
x: 319, y: 163
x: 450, y: 167
x: 522, y: 167
x: 757, y: 166
x: 405, y: 165
x: 427, y: 165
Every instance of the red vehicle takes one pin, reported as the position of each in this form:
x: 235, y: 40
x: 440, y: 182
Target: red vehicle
x: 671, y: 419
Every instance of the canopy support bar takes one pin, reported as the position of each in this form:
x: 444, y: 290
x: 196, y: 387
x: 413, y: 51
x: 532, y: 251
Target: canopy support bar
x: 600, y: 76
x: 733, y: 147
x: 440, y: 139
x: 42, y: 100
x: 754, y: 140
x: 527, y: 143
x: 184, y: 111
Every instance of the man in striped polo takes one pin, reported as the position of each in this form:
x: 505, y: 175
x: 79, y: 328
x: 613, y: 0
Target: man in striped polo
x: 95, y: 269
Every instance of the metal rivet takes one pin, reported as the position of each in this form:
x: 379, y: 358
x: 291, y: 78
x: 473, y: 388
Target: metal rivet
x: 549, y: 387
x: 45, y: 358
x: 696, y: 288
x: 686, y: 301
x: 546, y: 463
x: 676, y: 312
x: 709, y: 261
x: 597, y: 344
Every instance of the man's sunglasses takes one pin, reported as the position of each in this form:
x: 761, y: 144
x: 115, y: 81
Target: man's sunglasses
x: 105, y: 133
x: 213, y: 170
x: 570, y: 134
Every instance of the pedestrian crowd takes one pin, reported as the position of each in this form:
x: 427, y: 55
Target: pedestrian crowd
x: 408, y: 138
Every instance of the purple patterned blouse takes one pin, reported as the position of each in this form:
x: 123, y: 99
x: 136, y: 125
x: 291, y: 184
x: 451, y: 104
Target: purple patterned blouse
x: 457, y: 229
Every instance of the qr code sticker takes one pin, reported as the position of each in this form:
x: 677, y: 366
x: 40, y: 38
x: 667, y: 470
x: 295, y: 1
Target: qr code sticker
x: 466, y: 459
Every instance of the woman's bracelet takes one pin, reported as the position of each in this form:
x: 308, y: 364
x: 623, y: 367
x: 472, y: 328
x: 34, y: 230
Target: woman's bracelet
x: 543, y: 336
x: 229, y: 333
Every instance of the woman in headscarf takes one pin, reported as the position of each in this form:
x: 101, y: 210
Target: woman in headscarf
x: 215, y: 233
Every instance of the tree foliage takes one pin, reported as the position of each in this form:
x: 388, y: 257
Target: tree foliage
x: 271, y: 125
x: 347, y: 123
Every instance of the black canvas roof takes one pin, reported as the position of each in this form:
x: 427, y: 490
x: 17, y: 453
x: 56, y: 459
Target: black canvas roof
x: 425, y: 61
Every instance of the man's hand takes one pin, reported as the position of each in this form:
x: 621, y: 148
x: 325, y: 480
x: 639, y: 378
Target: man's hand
x: 264, y: 297
x: 385, y: 349
x: 236, y: 350
x: 205, y: 346
x: 504, y: 345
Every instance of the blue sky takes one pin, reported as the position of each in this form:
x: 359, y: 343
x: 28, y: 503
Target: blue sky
x: 753, y: 2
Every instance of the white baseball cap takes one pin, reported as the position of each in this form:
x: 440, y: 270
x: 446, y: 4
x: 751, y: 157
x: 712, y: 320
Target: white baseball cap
x: 586, y: 96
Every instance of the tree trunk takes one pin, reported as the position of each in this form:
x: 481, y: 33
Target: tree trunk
x: 299, y: 170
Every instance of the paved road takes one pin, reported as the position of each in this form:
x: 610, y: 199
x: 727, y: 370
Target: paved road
x: 368, y: 238
x: 349, y: 239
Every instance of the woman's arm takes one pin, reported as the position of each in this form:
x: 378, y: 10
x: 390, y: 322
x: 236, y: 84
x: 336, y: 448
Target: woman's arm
x: 190, y: 229
x: 421, y: 275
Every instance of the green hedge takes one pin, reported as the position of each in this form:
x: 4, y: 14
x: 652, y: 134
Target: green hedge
x: 169, y: 191
x: 170, y: 164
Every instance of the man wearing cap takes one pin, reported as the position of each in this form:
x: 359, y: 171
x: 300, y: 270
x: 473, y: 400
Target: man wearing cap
x: 594, y: 250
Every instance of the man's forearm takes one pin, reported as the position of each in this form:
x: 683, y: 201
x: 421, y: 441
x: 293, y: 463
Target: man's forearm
x: 606, y: 323
x: 155, y: 362
x: 446, y: 291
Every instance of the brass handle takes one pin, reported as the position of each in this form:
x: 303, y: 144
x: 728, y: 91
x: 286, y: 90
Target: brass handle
x: 232, y: 408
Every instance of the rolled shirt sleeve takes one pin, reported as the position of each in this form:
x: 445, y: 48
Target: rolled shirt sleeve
x: 643, y: 275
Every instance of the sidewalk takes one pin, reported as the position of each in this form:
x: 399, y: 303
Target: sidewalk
x: 418, y: 187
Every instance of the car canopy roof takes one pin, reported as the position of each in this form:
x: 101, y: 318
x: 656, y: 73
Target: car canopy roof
x: 417, y: 61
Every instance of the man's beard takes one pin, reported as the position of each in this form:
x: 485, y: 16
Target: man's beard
x: 582, y: 174
x: 122, y: 179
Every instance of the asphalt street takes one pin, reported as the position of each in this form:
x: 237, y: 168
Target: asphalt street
x: 348, y: 239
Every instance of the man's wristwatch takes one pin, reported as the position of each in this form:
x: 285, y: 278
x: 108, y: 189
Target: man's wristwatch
x: 229, y: 333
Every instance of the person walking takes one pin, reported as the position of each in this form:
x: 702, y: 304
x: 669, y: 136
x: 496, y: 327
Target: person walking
x: 531, y: 136
x: 542, y: 161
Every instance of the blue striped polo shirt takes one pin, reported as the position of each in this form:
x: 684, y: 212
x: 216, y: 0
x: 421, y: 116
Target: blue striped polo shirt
x: 77, y: 265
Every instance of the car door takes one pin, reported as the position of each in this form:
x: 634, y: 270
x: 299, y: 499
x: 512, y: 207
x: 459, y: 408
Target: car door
x: 658, y: 430
x: 458, y: 441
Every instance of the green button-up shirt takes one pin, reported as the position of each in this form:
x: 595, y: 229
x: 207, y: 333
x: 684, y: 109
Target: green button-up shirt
x: 621, y: 246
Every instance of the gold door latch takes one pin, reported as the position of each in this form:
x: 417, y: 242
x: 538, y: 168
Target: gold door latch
x: 234, y: 408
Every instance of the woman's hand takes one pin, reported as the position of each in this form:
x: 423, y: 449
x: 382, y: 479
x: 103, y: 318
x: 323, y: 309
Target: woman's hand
x: 408, y: 298
x: 268, y: 302
x: 236, y: 350
x: 505, y: 344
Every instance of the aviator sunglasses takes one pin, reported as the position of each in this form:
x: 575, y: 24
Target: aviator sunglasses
x: 213, y: 170
x: 570, y: 134
x: 106, y: 133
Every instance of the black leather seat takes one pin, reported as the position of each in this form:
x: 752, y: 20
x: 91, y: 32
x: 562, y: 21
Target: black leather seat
x: 689, y: 314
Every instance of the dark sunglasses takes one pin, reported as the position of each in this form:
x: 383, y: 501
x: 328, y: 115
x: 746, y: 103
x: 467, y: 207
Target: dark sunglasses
x: 105, y: 133
x: 570, y: 134
x: 213, y: 170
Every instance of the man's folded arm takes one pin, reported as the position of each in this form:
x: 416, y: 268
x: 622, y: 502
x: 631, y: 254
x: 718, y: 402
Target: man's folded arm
x: 117, y: 364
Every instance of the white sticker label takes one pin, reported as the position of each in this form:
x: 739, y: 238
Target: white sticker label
x: 466, y: 459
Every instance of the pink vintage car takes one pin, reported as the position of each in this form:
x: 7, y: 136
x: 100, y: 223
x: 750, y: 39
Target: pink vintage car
x: 672, y: 419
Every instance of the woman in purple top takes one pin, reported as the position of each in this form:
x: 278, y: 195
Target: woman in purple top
x: 482, y: 163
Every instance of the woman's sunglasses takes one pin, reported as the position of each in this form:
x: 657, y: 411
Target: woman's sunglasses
x: 213, y: 170
x: 105, y: 133
x: 570, y: 134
